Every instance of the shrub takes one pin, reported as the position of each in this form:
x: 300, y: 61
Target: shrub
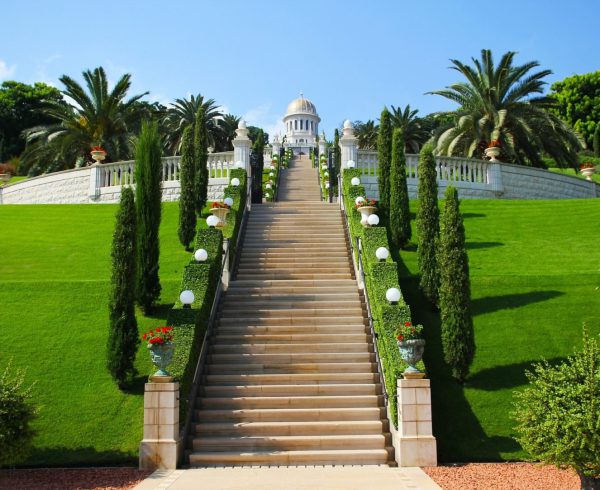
x: 187, y: 205
x: 455, y: 290
x: 148, y: 176
x: 123, y: 335
x: 384, y: 159
x: 428, y: 225
x: 16, y: 414
x: 399, y: 211
x: 201, y: 160
x: 559, y: 413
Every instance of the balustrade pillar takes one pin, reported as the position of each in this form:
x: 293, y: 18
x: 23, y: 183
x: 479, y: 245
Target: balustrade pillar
x: 322, y: 144
x: 348, y: 144
x: 241, y: 146
x: 94, y: 187
x: 494, y: 178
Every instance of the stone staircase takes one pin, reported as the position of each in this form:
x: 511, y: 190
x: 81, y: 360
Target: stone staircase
x: 291, y: 377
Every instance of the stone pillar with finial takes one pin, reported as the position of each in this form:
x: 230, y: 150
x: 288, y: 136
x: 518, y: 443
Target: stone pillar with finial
x: 348, y: 144
x: 241, y: 146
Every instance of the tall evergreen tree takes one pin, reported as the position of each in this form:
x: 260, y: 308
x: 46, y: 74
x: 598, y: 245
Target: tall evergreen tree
x: 337, y: 155
x: 428, y: 225
x: 399, y: 211
x: 123, y: 334
x: 384, y: 159
x: 148, y: 175
x: 596, y: 140
x: 458, y: 338
x: 187, y: 204
x: 201, y: 157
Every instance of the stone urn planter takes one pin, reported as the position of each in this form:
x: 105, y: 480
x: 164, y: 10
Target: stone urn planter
x: 365, y: 212
x: 4, y: 178
x: 161, y: 355
x: 587, y: 172
x: 493, y: 153
x: 220, y: 213
x: 411, y: 352
x: 98, y: 155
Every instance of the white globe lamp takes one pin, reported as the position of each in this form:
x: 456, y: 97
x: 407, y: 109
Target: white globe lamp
x: 187, y: 298
x: 235, y: 182
x: 382, y: 253
x: 393, y: 295
x: 228, y: 201
x: 212, y: 221
x: 351, y: 164
x: 373, y: 220
x: 239, y: 164
x: 355, y: 181
x: 359, y: 200
x: 201, y: 255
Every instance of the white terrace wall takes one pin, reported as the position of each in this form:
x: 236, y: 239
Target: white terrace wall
x: 102, y: 183
x: 480, y: 179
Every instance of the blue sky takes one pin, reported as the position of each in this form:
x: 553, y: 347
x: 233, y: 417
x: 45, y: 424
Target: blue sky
x: 349, y: 57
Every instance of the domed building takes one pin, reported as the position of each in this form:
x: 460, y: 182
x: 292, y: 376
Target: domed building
x: 301, y: 125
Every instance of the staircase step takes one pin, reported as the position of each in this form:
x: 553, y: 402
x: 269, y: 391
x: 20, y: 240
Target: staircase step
x: 291, y: 402
x: 354, y: 427
x: 289, y: 443
x: 277, y: 379
x: 300, y: 321
x: 284, y: 390
x: 292, y: 368
x: 289, y: 414
x: 279, y: 458
x: 343, y: 357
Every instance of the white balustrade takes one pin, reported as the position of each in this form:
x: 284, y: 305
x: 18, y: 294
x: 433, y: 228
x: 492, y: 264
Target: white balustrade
x: 116, y: 174
x: 449, y: 169
x: 220, y: 164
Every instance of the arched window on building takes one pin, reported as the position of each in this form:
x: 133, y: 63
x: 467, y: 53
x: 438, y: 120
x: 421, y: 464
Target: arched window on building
x: 295, y: 123
x: 301, y: 121
x: 311, y: 126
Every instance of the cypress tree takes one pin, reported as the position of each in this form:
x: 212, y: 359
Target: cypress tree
x: 201, y: 158
x: 596, y: 140
x: 337, y: 156
x: 428, y: 225
x: 123, y: 334
x: 384, y: 159
x: 399, y: 211
x: 258, y: 152
x: 458, y: 338
x: 187, y: 204
x: 148, y: 176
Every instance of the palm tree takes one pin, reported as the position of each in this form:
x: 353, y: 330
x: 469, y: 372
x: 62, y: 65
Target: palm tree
x: 367, y: 134
x: 499, y: 103
x: 84, y: 119
x: 182, y: 114
x: 416, y: 130
x: 228, y: 125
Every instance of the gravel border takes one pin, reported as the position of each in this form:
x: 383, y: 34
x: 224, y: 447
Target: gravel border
x: 72, y: 478
x: 503, y: 476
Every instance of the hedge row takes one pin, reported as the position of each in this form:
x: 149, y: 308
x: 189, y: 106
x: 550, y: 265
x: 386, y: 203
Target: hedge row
x: 202, y: 279
x: 268, y: 179
x: 379, y: 277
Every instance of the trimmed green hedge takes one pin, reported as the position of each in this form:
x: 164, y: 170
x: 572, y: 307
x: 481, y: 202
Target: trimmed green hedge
x: 379, y: 277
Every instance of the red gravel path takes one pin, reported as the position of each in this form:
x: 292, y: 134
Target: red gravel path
x: 72, y: 479
x: 503, y: 476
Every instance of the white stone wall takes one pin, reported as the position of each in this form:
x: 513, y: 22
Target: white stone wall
x: 73, y: 187
x: 67, y: 187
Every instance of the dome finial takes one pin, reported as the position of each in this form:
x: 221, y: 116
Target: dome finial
x: 301, y: 94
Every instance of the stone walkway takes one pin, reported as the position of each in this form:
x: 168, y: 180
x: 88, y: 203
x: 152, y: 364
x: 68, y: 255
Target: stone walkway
x: 291, y: 478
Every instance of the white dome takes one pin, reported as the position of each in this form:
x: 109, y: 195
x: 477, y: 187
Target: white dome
x: 301, y: 106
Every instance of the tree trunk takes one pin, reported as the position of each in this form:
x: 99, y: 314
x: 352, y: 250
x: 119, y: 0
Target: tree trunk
x: 589, y: 482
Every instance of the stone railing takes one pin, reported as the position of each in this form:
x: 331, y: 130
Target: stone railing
x: 450, y: 169
x: 481, y: 179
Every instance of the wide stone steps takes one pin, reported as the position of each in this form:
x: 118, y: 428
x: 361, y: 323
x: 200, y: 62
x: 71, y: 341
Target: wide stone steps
x: 291, y: 458
x: 291, y: 375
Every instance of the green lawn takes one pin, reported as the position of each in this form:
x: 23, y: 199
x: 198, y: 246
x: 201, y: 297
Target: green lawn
x: 535, y: 273
x: 572, y: 173
x: 54, y: 286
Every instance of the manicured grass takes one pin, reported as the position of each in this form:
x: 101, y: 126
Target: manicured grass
x: 572, y: 173
x: 534, y: 276
x: 54, y: 286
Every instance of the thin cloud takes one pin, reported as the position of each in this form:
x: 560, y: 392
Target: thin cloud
x: 6, y: 71
x: 263, y: 117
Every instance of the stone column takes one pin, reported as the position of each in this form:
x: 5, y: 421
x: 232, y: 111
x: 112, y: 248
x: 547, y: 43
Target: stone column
x: 494, y: 175
x: 159, y: 448
x: 94, y: 188
x: 348, y: 144
x: 241, y: 146
x: 416, y: 444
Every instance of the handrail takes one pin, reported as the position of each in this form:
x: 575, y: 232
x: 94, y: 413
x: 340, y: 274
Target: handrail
x: 361, y: 271
x: 185, y: 433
